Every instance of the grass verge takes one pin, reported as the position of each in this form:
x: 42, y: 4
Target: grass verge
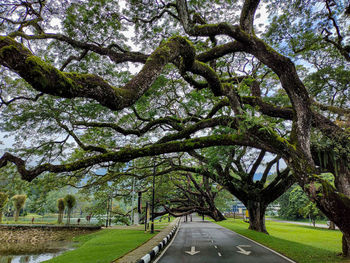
x: 103, y: 246
x: 303, y: 220
x: 303, y: 244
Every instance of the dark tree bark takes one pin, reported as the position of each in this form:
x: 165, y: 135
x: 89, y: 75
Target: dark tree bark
x: 257, y: 216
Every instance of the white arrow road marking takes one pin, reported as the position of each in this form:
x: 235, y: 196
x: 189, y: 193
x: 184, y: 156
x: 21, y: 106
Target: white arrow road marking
x: 192, y: 252
x: 242, y: 251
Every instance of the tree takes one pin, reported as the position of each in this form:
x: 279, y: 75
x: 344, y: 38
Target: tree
x: 67, y: 82
x: 18, y: 202
x: 70, y: 202
x: 186, y: 194
x: 61, y: 207
x: 301, y: 207
x: 3, y: 202
x: 235, y: 169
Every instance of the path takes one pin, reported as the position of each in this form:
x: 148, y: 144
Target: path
x: 204, y: 242
x: 142, y: 250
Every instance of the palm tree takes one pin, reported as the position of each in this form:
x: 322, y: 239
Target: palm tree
x: 3, y: 202
x: 18, y: 201
x: 70, y: 203
x: 61, y: 205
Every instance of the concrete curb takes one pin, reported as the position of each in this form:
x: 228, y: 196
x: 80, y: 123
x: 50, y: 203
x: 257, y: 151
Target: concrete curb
x: 152, y: 254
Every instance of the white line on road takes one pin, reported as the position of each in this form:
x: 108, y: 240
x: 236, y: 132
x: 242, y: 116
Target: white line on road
x: 215, y: 246
x: 219, y: 254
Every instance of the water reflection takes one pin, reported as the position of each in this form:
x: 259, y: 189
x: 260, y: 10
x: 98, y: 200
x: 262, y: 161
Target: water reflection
x: 32, y: 253
x: 27, y: 258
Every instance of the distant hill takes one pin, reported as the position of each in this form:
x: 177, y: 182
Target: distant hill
x: 257, y: 176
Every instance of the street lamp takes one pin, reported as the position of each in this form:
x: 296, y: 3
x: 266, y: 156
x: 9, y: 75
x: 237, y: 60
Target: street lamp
x: 153, y: 193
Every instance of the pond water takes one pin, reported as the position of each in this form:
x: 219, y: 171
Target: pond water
x: 33, y: 253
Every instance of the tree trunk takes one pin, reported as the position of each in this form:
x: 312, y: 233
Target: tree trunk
x: 0, y: 217
x: 257, y: 216
x: 17, y: 214
x: 68, y: 216
x: 341, y: 173
x: 333, y: 202
x: 342, y: 177
x: 217, y: 215
x: 342, y: 183
x: 346, y: 245
x: 60, y: 217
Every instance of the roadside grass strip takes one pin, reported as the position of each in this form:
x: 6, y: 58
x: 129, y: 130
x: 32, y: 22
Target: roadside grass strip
x: 103, y: 246
x: 303, y: 244
x: 152, y: 254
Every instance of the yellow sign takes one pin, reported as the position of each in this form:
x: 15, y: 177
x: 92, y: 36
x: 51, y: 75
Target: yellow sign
x: 246, y: 213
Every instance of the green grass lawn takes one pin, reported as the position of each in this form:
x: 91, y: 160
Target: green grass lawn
x: 304, y: 220
x: 103, y: 246
x: 304, y: 244
x: 38, y: 219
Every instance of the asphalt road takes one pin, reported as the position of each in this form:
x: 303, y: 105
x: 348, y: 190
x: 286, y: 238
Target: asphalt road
x: 206, y: 242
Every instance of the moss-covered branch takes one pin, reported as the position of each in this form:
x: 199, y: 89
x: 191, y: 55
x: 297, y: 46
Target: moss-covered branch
x: 47, y: 79
x: 126, y: 154
x: 202, y: 124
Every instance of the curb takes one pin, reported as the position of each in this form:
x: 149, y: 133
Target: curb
x: 152, y: 254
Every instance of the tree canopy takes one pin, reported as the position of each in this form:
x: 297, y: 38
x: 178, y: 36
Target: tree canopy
x: 89, y: 84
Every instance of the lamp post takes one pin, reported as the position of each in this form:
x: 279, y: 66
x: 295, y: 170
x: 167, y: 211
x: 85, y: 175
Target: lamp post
x: 107, y: 212
x: 153, y: 193
x: 132, y: 202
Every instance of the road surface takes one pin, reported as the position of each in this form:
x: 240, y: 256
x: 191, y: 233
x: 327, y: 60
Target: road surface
x: 206, y: 242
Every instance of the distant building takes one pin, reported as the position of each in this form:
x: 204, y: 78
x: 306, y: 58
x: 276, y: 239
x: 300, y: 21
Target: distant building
x: 239, y: 207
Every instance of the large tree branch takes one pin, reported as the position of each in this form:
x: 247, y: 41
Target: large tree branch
x: 279, y: 185
x: 126, y: 154
x: 281, y: 65
x: 171, y: 121
x: 206, y: 123
x: 256, y: 165
x: 247, y: 15
x: 268, y: 168
x: 220, y: 51
x: 46, y: 78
